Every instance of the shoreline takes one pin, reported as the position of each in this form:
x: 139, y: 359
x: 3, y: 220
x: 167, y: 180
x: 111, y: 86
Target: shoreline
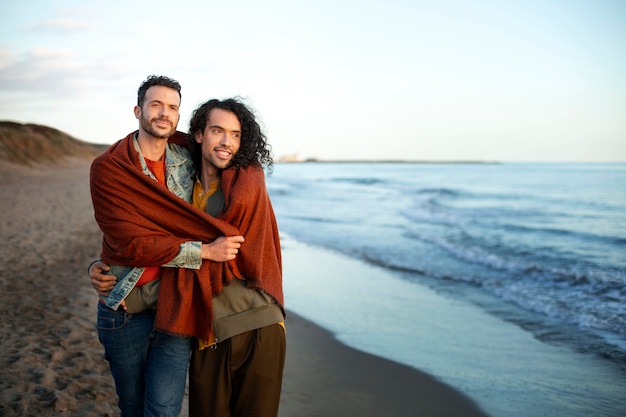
x: 467, y: 362
x: 496, y: 362
x: 324, y: 377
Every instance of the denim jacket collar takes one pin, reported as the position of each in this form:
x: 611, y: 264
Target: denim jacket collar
x: 172, y: 158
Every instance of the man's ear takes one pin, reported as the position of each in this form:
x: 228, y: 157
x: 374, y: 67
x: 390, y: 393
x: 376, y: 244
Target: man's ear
x: 198, y: 137
x: 137, y: 111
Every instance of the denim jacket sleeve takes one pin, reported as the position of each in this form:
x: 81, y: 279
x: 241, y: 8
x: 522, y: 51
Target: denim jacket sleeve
x: 190, y: 256
x: 127, y: 277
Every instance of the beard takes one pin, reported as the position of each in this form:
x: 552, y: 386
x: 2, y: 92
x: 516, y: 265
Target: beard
x: 146, y: 125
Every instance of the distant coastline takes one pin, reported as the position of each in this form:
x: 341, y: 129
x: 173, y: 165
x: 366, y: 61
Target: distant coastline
x: 430, y: 162
x: 377, y: 161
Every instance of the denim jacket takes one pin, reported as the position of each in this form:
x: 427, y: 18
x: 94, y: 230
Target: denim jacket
x: 179, y: 176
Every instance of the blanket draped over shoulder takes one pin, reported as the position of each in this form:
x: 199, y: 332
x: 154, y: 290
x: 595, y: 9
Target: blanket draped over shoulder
x: 143, y: 224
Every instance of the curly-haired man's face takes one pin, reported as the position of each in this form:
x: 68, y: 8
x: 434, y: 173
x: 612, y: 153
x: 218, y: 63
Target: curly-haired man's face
x: 220, y: 140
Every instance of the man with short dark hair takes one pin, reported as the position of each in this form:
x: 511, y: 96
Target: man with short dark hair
x: 149, y: 366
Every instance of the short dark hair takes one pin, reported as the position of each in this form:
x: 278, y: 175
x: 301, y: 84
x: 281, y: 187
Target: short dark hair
x: 159, y: 80
x: 253, y: 148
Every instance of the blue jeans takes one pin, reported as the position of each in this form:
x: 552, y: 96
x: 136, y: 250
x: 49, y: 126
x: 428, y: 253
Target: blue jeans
x: 149, y: 367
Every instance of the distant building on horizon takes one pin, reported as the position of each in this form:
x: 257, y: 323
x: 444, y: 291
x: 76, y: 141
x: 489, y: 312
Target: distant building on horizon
x: 296, y: 157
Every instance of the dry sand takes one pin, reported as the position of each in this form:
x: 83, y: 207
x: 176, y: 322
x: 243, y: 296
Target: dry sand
x: 50, y: 359
x: 51, y: 362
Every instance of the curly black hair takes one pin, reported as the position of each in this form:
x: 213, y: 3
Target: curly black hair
x: 153, y: 80
x: 253, y: 149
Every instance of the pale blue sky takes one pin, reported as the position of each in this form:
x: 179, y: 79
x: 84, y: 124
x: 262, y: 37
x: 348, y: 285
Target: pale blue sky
x: 427, y: 80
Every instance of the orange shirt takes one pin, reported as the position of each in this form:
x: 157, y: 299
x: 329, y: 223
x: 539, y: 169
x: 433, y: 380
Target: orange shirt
x: 153, y: 272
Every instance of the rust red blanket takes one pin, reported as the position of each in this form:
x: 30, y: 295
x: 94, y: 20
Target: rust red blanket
x: 143, y: 224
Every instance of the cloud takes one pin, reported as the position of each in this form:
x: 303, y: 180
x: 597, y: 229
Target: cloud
x: 33, y: 71
x: 63, y: 25
x: 6, y: 58
x: 54, y: 73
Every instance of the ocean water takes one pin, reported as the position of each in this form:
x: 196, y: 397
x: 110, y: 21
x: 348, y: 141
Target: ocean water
x: 539, y: 247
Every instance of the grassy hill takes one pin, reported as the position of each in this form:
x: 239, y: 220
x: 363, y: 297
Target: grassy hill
x: 28, y: 144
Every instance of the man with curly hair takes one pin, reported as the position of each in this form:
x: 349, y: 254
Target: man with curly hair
x: 238, y: 370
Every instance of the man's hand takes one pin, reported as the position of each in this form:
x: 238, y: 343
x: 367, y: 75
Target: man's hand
x: 101, y: 282
x: 222, y: 249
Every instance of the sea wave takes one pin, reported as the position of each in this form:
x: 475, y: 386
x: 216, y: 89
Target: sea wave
x: 522, y: 235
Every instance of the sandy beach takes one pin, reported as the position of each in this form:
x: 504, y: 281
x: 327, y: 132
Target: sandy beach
x: 51, y: 363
